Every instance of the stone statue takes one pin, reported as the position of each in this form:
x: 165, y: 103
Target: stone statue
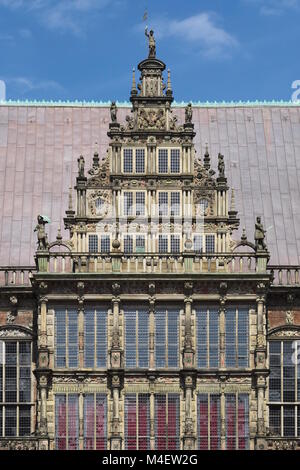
x: 221, y: 166
x: 41, y: 233
x: 188, y: 113
x: 81, y: 166
x: 113, y: 111
x: 152, y: 44
x: 259, y: 235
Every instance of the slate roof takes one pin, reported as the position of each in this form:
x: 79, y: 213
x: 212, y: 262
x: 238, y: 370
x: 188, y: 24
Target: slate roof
x: 40, y: 144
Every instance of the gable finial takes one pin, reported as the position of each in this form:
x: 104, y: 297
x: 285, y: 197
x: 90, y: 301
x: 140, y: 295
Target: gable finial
x: 206, y: 159
x: 133, y: 86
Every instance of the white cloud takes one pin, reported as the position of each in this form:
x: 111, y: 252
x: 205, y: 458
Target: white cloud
x: 63, y: 15
x: 202, y: 32
x: 24, y: 84
x: 275, y: 7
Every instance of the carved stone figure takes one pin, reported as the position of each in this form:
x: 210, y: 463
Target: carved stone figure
x: 152, y: 44
x: 41, y: 233
x: 259, y: 235
x: 221, y: 166
x: 113, y: 111
x: 188, y: 113
x: 130, y: 122
x: 80, y: 161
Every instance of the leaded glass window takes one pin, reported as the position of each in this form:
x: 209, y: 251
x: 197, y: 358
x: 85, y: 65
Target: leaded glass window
x: 66, y: 421
x: 128, y: 243
x: 136, y: 337
x: 163, y: 198
x: 93, y: 243
x: 140, y: 160
x: 167, y: 337
x: 105, y: 243
x: 237, y: 421
x: 207, y: 341
x: 209, y: 421
x: 137, y: 421
x: 66, y: 338
x: 128, y: 161
x: 15, y: 388
x: 167, y: 421
x: 140, y: 244
x: 237, y: 337
x: 175, y: 161
x: 128, y: 203
x: 140, y: 203
x: 163, y: 160
x: 209, y: 243
x: 95, y: 421
x: 284, y: 388
x: 198, y: 243
x: 95, y: 337
x: 175, y: 203
x: 175, y: 244
x: 163, y: 243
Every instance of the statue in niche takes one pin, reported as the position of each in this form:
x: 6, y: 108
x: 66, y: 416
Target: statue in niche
x: 80, y: 166
x: 41, y: 232
x: 152, y: 44
x: 188, y: 113
x: 259, y: 235
x: 113, y: 111
x: 221, y: 166
x: 130, y: 122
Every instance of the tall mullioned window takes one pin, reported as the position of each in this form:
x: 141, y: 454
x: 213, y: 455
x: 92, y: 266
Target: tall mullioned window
x: 207, y: 336
x: 15, y: 388
x: 66, y: 338
x: 95, y: 421
x: 169, y: 160
x: 167, y: 337
x: 236, y: 421
x: 284, y: 388
x: 137, y: 421
x: 66, y: 421
x: 93, y: 243
x: 167, y: 421
x: 134, y: 203
x: 204, y: 243
x: 209, y: 421
x: 134, y: 160
x: 237, y: 337
x: 169, y: 203
x: 95, y: 337
x: 136, y: 337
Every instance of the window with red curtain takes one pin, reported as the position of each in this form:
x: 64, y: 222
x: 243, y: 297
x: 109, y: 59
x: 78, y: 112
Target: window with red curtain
x: 66, y: 421
x: 101, y: 421
x: 60, y: 422
x: 209, y: 422
x: 95, y: 415
x: 243, y: 421
x: 137, y: 421
x: 167, y: 421
x: 89, y: 420
x: 230, y: 404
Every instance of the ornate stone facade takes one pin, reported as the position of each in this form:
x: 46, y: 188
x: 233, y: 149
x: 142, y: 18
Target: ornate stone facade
x: 152, y: 228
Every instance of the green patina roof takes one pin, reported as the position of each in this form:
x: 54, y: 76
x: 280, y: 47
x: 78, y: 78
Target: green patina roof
x: 125, y: 104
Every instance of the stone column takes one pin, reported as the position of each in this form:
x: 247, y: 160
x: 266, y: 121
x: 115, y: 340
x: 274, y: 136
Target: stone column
x: 81, y: 420
x: 80, y: 288
x: 115, y: 440
x: 261, y: 371
x: 152, y: 414
x: 151, y: 326
x: 115, y: 354
x: 189, y: 438
x: 188, y: 352
x: 223, y: 419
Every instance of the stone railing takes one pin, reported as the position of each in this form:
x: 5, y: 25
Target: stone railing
x: 16, y: 275
x: 285, y: 275
x: 152, y: 263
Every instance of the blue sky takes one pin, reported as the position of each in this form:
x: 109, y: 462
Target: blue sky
x: 85, y: 49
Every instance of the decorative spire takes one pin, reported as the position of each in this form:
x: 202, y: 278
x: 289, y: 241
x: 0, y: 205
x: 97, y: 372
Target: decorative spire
x: 232, y: 205
x: 169, y: 86
x: 206, y: 160
x: 70, y: 199
x: 244, y: 236
x: 58, y: 236
x: 133, y: 86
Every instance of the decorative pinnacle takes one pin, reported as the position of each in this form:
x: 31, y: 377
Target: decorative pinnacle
x: 59, y: 237
x: 96, y: 159
x: 70, y: 199
x: 169, y: 86
x: 232, y: 205
x: 133, y: 86
x: 206, y: 159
